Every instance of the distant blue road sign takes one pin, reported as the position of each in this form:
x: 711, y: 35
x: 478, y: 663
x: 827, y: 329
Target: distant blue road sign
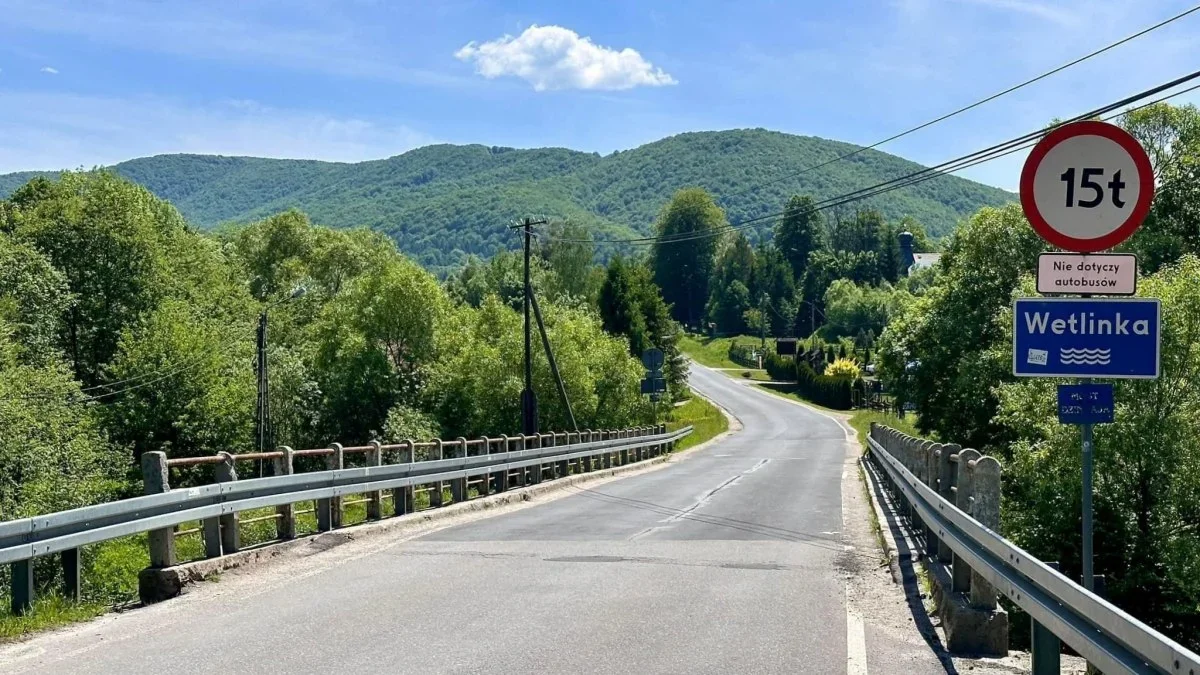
x: 1085, y: 403
x: 651, y: 385
x: 1086, y: 337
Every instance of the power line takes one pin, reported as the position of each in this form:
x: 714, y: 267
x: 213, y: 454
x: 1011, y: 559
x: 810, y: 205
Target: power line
x: 969, y: 107
x: 951, y: 166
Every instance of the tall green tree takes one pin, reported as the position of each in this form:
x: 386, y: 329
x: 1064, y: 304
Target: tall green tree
x: 683, y: 255
x: 110, y: 238
x: 631, y: 304
x: 799, y: 233
x: 568, y: 251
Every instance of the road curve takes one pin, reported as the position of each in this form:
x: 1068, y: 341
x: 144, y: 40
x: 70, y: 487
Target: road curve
x: 728, y: 560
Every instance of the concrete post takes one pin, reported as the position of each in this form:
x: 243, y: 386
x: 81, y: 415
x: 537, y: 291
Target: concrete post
x: 935, y: 456
x: 986, y: 509
x: 155, y: 480
x: 375, y: 506
x: 485, y: 486
x: 946, y: 470
x: 402, y: 497
x: 502, y: 476
x: 563, y: 467
x: 458, y: 486
x: 606, y: 458
x: 534, y: 442
x: 585, y: 463
x: 285, y: 524
x: 329, y: 510
x: 624, y: 434
x: 435, y: 494
x: 519, y: 474
x: 230, y: 538
x: 961, y: 573
x: 1045, y: 649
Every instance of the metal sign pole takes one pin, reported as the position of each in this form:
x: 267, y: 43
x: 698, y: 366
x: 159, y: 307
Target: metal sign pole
x: 1087, y: 500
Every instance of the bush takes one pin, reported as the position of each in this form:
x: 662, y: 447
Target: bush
x: 831, y: 392
x: 779, y: 368
x: 742, y: 354
x: 844, y: 368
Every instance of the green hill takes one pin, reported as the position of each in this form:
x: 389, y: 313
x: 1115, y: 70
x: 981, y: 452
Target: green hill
x: 442, y: 202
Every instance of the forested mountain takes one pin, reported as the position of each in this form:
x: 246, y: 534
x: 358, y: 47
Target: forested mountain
x: 442, y: 202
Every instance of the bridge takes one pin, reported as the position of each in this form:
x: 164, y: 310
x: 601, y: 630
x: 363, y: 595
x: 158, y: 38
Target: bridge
x: 753, y: 552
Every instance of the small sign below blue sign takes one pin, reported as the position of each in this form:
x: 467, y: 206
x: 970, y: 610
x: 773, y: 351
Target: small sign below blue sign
x: 1086, y: 337
x: 1085, y: 403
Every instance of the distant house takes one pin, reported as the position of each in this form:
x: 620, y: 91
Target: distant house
x: 923, y: 260
x: 915, y: 261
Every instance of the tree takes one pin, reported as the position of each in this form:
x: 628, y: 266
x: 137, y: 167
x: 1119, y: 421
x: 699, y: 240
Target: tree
x: 936, y: 351
x: 683, y: 254
x: 33, y: 301
x: 568, y: 251
x: 800, y: 232
x: 110, y: 238
x: 631, y: 304
x: 53, y: 454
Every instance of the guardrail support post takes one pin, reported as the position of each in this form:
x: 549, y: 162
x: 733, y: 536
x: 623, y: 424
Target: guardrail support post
x: 485, y: 485
x: 1045, y: 649
x: 285, y: 524
x: 72, y: 573
x: 986, y: 509
x: 435, y: 493
x: 623, y: 434
x: 229, y: 540
x: 156, y: 480
x: 606, y: 458
x: 375, y: 506
x: 458, y: 486
x: 22, y: 587
x: 961, y: 574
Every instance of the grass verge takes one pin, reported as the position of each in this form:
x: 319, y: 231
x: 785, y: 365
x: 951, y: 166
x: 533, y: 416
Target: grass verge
x: 706, y: 419
x: 861, y: 421
x: 713, y: 352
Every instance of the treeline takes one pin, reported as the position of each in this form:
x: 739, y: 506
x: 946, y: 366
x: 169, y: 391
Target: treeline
x: 845, y: 274
x: 123, y: 330
x: 949, y: 352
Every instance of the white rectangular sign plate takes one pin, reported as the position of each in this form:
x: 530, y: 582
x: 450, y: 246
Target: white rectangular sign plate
x: 1095, y: 273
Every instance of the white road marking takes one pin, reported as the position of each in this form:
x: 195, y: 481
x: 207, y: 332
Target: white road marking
x: 856, y: 641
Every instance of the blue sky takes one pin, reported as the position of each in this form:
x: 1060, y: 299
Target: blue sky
x: 86, y: 83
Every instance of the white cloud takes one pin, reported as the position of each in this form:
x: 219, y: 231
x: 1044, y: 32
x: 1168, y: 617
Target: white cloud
x: 48, y: 131
x: 553, y: 57
x: 50, y: 71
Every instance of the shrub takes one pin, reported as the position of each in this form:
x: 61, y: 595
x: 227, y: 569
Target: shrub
x: 779, y: 368
x: 742, y: 354
x: 844, y: 368
x: 832, y: 392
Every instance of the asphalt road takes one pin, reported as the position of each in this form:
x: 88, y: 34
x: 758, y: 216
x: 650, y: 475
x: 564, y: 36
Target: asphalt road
x: 730, y: 559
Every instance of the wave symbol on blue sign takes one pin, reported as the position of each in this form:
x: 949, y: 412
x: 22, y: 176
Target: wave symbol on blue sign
x: 1088, y: 356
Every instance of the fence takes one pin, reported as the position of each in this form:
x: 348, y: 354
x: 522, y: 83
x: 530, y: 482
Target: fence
x: 485, y: 465
x: 952, y: 496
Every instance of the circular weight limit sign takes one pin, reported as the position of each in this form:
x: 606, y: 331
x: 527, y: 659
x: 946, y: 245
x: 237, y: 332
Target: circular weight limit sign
x: 1087, y: 186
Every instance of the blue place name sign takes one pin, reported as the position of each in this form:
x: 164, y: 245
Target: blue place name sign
x: 1086, y: 337
x: 1085, y: 403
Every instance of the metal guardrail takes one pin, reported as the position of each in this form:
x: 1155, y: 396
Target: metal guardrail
x: 216, y: 505
x: 1106, y: 636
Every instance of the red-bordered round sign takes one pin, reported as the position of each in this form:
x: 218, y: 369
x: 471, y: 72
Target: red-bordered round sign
x: 1087, y: 186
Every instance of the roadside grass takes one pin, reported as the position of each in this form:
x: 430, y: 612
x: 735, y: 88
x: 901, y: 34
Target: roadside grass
x: 712, y: 352
x: 861, y: 421
x: 755, y: 374
x: 707, y: 421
